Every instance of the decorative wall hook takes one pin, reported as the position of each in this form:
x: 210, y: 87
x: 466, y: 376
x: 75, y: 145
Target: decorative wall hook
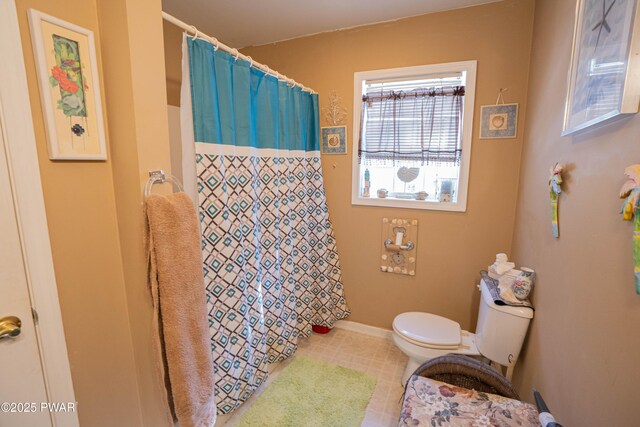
x: 500, y: 99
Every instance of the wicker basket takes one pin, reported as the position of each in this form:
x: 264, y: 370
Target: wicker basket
x: 463, y: 371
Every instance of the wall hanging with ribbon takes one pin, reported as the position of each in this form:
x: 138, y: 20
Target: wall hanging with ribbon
x: 630, y: 192
x: 555, y: 188
x: 499, y: 120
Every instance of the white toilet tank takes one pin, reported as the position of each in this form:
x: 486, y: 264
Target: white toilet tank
x: 501, y: 329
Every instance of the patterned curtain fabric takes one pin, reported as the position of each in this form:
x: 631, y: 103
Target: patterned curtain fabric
x: 418, y: 126
x: 270, y: 260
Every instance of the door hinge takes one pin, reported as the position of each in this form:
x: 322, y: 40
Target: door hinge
x: 34, y: 313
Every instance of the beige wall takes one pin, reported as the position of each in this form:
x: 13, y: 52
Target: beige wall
x: 172, y: 36
x: 582, y: 351
x: 132, y: 52
x: 81, y: 214
x: 452, y: 247
x: 137, y: 108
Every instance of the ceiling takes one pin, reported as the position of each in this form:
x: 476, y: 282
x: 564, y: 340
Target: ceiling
x: 241, y: 23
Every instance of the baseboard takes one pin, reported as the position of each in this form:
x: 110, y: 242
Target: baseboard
x: 361, y: 328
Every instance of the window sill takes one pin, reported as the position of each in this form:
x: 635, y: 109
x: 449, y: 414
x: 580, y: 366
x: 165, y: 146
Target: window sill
x: 390, y: 202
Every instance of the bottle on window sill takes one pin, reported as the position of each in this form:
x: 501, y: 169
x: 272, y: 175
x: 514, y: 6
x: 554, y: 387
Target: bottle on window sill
x: 367, y: 183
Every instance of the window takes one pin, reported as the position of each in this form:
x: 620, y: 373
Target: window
x: 412, y: 136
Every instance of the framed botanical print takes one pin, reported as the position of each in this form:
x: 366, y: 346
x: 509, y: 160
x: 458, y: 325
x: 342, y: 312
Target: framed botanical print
x: 603, y: 75
x: 67, y: 69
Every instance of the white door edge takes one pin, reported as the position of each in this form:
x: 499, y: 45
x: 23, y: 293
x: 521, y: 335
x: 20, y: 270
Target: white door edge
x: 24, y: 170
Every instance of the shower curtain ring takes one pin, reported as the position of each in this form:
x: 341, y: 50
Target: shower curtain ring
x: 250, y: 61
x: 195, y: 30
x: 217, y: 45
x: 283, y: 78
x: 236, y: 54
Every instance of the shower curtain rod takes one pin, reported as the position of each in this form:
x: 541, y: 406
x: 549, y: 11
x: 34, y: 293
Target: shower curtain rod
x: 232, y: 51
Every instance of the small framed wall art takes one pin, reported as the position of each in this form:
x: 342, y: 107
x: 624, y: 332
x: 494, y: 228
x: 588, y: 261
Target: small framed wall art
x: 498, y: 121
x: 67, y: 69
x: 605, y: 62
x: 334, y: 140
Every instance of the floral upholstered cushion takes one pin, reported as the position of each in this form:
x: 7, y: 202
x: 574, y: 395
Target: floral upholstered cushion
x: 433, y: 403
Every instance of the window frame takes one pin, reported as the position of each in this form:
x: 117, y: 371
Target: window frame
x: 420, y: 71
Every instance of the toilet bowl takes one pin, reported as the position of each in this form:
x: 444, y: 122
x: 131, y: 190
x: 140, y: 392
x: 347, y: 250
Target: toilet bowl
x: 499, y: 334
x: 423, y: 336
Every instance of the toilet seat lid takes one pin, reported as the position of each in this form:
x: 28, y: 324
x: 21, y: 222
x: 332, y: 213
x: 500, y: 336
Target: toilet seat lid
x: 427, y: 328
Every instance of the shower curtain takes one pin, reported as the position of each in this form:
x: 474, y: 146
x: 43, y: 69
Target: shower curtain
x: 270, y: 261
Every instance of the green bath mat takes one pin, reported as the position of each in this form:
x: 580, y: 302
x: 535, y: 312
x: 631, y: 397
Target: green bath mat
x: 312, y: 393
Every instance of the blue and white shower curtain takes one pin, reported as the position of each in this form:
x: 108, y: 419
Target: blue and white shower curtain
x: 270, y: 260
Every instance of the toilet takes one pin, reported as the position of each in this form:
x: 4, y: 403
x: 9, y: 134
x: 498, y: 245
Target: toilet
x: 499, y: 334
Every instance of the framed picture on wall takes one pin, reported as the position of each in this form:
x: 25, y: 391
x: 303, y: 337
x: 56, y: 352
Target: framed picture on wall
x: 334, y: 140
x: 603, y: 74
x: 67, y: 70
x: 498, y: 121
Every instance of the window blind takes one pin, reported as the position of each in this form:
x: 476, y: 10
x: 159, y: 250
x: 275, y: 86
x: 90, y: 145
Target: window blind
x: 416, y: 122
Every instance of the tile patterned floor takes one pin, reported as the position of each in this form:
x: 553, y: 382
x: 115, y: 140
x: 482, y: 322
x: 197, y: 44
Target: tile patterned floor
x: 378, y: 357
